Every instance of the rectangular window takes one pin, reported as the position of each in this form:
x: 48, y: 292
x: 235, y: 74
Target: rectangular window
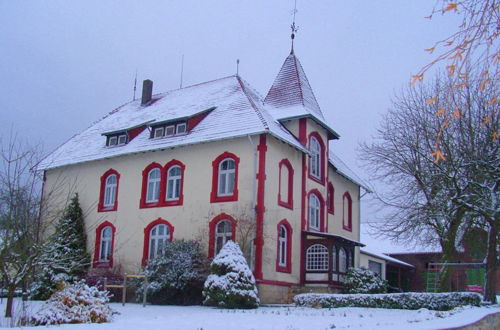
x: 181, y: 128
x: 158, y: 132
x: 112, y: 141
x: 170, y: 130
x: 375, y: 267
x: 122, y: 139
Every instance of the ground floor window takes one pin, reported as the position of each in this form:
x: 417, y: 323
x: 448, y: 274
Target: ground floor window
x: 317, y: 257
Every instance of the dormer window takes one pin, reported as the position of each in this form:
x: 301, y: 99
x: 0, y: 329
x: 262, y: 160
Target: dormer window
x: 117, y: 140
x: 170, y: 129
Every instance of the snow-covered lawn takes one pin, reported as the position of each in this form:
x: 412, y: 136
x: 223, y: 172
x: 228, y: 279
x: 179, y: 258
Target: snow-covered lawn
x: 134, y: 316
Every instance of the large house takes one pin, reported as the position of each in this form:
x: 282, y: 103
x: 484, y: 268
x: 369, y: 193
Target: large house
x: 216, y: 162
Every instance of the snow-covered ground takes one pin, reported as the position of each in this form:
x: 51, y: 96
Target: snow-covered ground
x: 134, y: 316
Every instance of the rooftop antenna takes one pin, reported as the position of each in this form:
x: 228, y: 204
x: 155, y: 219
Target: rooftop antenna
x: 182, y: 68
x: 135, y: 84
x: 237, y: 67
x: 293, y: 26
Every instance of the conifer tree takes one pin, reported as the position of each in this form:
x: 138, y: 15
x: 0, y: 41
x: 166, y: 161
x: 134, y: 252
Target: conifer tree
x: 65, y: 257
x: 231, y: 283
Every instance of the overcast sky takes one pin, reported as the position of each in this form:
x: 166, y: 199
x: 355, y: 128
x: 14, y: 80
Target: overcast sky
x: 65, y: 64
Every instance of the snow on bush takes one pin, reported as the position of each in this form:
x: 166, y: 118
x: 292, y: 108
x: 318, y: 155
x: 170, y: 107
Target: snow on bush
x: 177, y: 275
x: 410, y: 300
x: 76, y: 303
x: 360, y: 280
x: 231, y: 283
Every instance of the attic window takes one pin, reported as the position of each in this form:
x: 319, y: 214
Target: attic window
x: 170, y: 129
x: 116, y: 140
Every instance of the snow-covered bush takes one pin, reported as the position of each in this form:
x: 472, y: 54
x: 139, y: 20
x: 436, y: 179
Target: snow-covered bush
x: 410, y: 300
x: 360, y: 280
x: 231, y: 283
x: 176, y: 276
x: 64, y: 257
x: 76, y: 303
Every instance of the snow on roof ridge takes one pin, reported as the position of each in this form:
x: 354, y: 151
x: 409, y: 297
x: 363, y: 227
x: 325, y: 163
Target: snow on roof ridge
x: 243, y: 86
x: 384, y: 256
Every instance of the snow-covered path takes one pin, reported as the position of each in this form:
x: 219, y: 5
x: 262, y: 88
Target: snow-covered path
x: 134, y: 316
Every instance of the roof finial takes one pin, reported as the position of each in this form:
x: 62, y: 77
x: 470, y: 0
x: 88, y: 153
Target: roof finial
x: 237, y: 67
x: 135, y: 84
x: 293, y: 26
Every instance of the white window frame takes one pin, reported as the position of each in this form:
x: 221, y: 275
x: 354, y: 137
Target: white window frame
x: 228, y: 174
x: 113, y: 141
x: 178, y: 128
x: 315, y: 160
x: 170, y: 130
x: 153, y: 187
x: 159, y: 132
x: 106, y: 241
x: 334, y: 259
x: 176, y: 184
x: 317, y: 257
x: 122, y: 139
x: 314, y: 212
x: 225, y: 235
x: 375, y: 267
x: 157, y: 241
x: 110, y: 191
x: 343, y: 263
x: 283, y: 245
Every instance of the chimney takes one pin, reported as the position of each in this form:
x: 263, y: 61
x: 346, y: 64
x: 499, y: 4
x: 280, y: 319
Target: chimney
x: 147, y: 91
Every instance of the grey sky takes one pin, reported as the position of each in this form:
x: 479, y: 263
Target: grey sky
x: 65, y: 64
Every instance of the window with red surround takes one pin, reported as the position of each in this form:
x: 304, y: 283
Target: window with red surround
x: 285, y: 192
x: 162, y: 186
x: 104, y: 243
x: 347, y: 211
x: 330, y: 199
x: 316, y: 166
x: 225, y: 178
x: 222, y: 228
x: 108, y: 196
x: 156, y: 234
x: 284, y: 249
x: 316, y: 211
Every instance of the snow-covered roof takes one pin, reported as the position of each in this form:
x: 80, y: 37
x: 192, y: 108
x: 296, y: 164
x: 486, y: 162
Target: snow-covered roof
x: 345, y: 171
x: 385, y: 257
x: 237, y: 111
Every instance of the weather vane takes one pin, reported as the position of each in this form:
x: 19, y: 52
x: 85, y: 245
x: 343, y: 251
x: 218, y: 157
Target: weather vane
x: 293, y: 26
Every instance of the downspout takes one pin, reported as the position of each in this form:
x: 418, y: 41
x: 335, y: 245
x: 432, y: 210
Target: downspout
x: 254, y: 181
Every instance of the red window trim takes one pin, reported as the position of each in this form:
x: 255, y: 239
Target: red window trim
x: 330, y: 198
x: 173, y: 162
x: 321, y: 210
x: 211, y: 232
x: 97, y: 251
x: 214, y: 198
x: 347, y: 227
x: 288, y: 267
x: 100, y: 205
x: 162, y: 202
x: 289, y: 202
x: 321, y: 180
x: 147, y: 234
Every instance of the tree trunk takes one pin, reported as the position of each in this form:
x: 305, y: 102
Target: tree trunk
x: 11, y: 290
x: 491, y: 264
x: 449, y: 252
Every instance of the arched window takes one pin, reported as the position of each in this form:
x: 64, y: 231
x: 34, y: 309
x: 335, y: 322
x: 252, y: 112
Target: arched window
x: 317, y: 257
x: 159, y: 236
x: 315, y: 160
x: 174, y: 183
x: 342, y: 260
x: 222, y: 228
x: 334, y: 258
x: 103, y: 253
x: 156, y: 234
x: 285, y: 192
x: 227, y: 170
x: 225, y: 178
x: 153, y: 187
x: 330, y: 198
x: 109, y: 191
x: 106, y: 239
x: 314, y: 212
x: 223, y: 233
x: 347, y: 212
x: 284, y: 247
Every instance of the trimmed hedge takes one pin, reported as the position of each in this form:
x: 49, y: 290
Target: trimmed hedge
x: 410, y: 300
